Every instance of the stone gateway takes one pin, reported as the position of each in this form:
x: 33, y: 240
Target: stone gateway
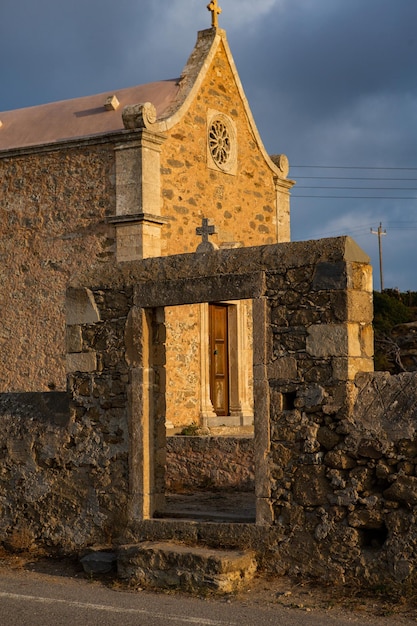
x: 121, y: 328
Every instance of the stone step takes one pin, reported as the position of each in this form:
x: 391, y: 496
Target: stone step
x: 167, y: 565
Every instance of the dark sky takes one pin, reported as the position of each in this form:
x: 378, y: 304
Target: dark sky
x: 331, y: 83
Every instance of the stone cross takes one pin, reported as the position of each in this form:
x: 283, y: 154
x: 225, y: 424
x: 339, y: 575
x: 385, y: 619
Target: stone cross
x: 204, y: 231
x: 215, y: 12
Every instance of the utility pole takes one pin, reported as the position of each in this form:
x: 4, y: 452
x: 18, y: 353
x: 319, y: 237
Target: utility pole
x: 380, y: 232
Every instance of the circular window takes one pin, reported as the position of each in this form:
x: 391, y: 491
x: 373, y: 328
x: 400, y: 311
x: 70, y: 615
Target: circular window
x: 219, y: 142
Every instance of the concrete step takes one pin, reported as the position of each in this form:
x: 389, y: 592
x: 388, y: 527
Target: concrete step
x: 194, y: 569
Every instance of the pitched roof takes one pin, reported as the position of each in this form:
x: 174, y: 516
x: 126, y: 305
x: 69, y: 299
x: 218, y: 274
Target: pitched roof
x: 79, y: 117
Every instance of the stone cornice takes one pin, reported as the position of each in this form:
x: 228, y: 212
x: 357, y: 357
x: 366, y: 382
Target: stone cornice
x: 138, y: 218
x: 127, y: 136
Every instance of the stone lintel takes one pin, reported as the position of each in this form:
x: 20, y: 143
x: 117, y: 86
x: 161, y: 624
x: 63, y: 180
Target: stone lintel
x: 204, y: 289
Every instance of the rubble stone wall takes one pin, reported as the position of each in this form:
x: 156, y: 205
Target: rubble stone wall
x: 335, y: 444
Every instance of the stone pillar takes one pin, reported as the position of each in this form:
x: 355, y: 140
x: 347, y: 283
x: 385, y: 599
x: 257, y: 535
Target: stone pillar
x: 241, y: 362
x: 206, y: 406
x: 138, y: 217
x: 282, y: 188
x: 145, y: 354
x: 262, y: 352
x: 347, y: 339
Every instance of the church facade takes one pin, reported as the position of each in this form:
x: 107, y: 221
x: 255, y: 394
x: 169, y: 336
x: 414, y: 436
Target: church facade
x: 131, y: 174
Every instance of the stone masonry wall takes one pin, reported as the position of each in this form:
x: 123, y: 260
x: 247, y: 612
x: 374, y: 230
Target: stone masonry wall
x: 55, y: 202
x: 345, y: 486
x: 53, y: 210
x: 335, y: 449
x: 63, y: 474
x: 241, y: 205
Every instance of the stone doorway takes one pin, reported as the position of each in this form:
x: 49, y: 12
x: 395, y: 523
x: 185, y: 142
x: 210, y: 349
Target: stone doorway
x: 194, y: 367
x: 209, y: 473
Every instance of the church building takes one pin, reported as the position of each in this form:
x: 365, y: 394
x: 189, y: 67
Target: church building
x: 167, y: 168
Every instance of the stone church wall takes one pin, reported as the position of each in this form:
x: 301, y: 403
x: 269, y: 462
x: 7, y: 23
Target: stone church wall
x: 241, y: 204
x: 183, y: 394
x: 53, y: 210
x: 55, y: 201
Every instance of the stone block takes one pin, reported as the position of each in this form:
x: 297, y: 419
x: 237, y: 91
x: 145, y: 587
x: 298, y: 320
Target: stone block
x: 81, y: 362
x: 338, y: 459
x: 264, y: 512
x: 74, y: 339
x: 98, y: 562
x: 138, y: 241
x: 329, y: 276
x: 404, y: 489
x: 360, y: 277
x: 325, y: 340
x: 193, y: 569
x: 366, y: 338
x: 311, y: 486
x: 348, y: 368
x: 360, y: 306
x: 282, y: 368
x: 80, y: 306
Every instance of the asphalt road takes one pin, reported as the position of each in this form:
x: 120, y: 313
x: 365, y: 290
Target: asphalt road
x: 33, y: 599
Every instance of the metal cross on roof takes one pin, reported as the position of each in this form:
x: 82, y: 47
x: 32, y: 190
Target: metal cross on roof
x: 204, y: 231
x: 215, y: 12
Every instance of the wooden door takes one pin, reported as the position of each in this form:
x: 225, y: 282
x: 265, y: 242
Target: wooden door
x: 219, y: 359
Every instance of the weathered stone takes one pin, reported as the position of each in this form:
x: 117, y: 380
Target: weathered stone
x: 310, y: 398
x: 365, y: 518
x: 81, y: 362
x: 339, y: 460
x: 99, y: 562
x: 403, y: 489
x: 329, y: 276
x: 283, y: 368
x: 311, y: 486
x: 327, y: 438
x: 81, y: 307
x: 192, y: 569
x: 74, y: 339
x: 362, y: 478
x: 370, y: 448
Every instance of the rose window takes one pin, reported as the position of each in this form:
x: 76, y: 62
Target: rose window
x: 219, y: 142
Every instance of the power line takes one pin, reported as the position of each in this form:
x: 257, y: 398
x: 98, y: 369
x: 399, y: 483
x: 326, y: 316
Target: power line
x: 360, y: 188
x: 295, y: 195
x: 353, y: 178
x: 353, y: 167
